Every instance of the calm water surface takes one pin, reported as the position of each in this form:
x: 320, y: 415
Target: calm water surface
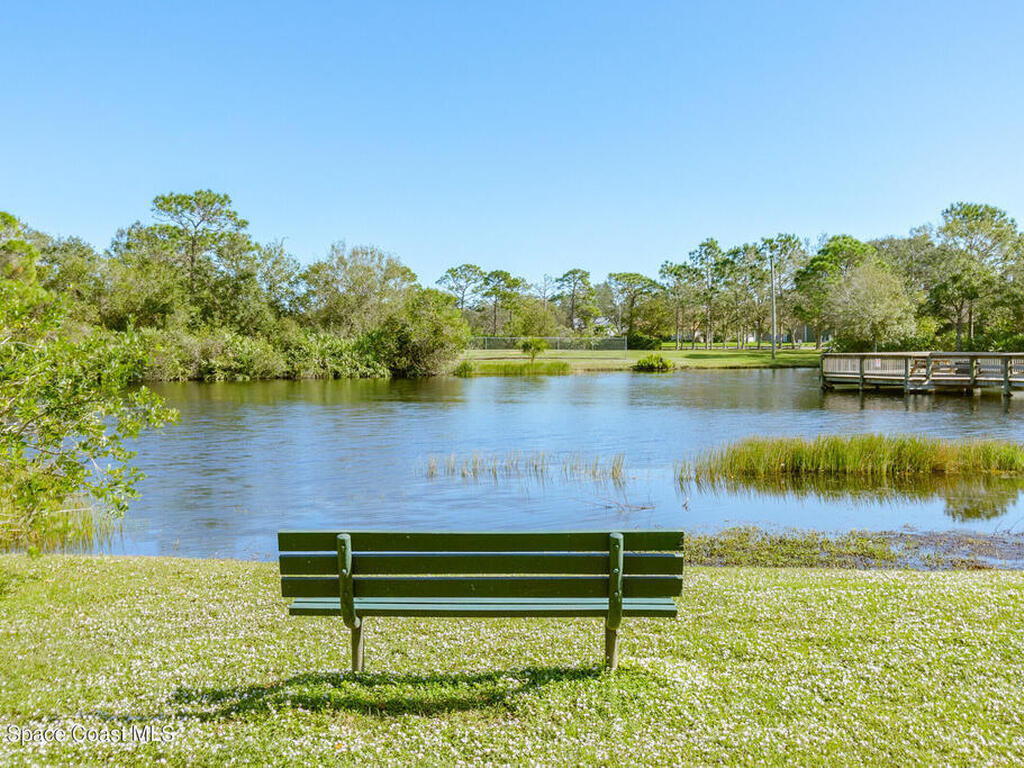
x: 248, y: 459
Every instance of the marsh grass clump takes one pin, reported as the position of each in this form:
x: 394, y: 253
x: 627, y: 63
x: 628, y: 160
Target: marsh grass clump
x: 576, y: 466
x: 76, y: 527
x: 514, y: 368
x: 465, y: 369
x: 653, y: 364
x: 864, y: 456
x: 533, y: 466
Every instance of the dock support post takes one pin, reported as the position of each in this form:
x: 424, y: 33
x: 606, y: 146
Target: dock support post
x: 860, y: 374
x: 906, y: 374
x: 928, y: 373
x: 1007, y: 392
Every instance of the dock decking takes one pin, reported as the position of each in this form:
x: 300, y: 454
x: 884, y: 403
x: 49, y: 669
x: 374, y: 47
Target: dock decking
x: 924, y: 371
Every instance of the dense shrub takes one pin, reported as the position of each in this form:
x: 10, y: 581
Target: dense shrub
x: 321, y: 355
x: 171, y: 355
x: 422, y: 340
x: 642, y: 341
x: 228, y: 356
x: 653, y: 364
x: 222, y: 355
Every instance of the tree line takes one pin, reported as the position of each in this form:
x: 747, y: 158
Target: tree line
x: 210, y: 302
x: 957, y: 284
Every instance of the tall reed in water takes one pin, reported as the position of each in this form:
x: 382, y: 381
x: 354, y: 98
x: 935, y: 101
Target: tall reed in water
x: 856, y: 455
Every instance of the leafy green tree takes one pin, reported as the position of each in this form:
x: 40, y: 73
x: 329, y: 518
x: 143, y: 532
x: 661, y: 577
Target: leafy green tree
x: 631, y: 288
x: 783, y: 252
x: 814, y: 281
x: 682, y: 288
x: 353, y: 291
x: 198, y: 226
x: 420, y: 340
x: 576, y: 295
x: 71, y: 267
x: 503, y: 292
x: 961, y: 281
x: 17, y: 255
x: 280, y: 276
x: 66, y: 408
x: 142, y: 283
x: 982, y: 242
x: 707, y: 259
x: 464, y: 282
x: 533, y: 318
x: 871, y: 306
x: 735, y: 295
x: 915, y: 258
x: 754, y: 277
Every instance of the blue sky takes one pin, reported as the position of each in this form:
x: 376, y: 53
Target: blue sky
x: 530, y: 136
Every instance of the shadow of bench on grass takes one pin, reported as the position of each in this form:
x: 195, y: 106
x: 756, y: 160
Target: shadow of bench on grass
x: 378, y: 694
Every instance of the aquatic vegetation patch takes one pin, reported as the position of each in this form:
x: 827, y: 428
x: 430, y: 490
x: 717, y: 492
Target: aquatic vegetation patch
x: 78, y: 526
x: 786, y: 548
x: 978, y: 496
x: 464, y: 369
x: 536, y: 465
x: 513, y: 368
x: 653, y: 364
x: 871, y: 455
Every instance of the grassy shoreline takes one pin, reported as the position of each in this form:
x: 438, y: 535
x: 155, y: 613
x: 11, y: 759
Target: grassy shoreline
x: 582, y: 361
x: 773, y: 666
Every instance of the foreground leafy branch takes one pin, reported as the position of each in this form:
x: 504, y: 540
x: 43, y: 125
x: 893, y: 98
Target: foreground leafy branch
x: 68, y: 403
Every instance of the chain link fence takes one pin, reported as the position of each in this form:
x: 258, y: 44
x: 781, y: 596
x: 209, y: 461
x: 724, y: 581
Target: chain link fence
x: 558, y: 343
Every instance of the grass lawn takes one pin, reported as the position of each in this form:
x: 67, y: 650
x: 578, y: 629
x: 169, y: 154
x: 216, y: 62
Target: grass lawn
x: 787, y: 666
x: 609, y: 360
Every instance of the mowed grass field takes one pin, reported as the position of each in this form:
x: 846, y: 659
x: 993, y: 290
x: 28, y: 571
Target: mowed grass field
x: 763, y: 666
x: 621, y: 360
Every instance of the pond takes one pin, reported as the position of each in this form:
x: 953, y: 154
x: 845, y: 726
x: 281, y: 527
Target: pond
x: 250, y: 458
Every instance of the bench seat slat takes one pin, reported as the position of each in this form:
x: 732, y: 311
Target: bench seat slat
x: 404, y: 563
x: 510, y: 607
x: 462, y: 541
x: 481, y: 586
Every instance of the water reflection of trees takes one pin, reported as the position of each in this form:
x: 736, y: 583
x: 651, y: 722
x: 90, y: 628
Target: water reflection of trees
x: 981, y: 497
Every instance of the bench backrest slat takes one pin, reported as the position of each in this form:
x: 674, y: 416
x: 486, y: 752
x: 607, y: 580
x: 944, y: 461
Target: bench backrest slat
x: 460, y: 541
x: 531, y: 565
x: 407, y: 563
x: 483, y: 586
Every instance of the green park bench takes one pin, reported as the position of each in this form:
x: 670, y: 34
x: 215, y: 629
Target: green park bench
x: 356, y: 574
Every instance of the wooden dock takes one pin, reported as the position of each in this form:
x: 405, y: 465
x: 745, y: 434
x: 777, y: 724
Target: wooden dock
x: 914, y: 372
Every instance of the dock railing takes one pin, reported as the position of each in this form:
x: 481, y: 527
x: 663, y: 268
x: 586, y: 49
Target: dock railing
x: 923, y: 371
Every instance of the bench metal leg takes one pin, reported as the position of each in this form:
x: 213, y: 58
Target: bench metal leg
x: 611, y: 648
x: 357, y: 648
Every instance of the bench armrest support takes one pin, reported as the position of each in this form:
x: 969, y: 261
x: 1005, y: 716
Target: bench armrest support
x: 615, y: 563
x: 345, y: 590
